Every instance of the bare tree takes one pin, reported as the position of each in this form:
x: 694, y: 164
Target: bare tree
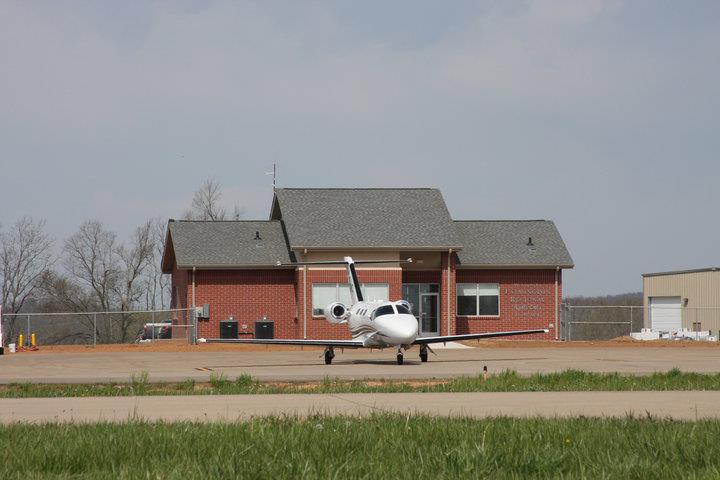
x: 100, y: 274
x: 61, y: 294
x: 157, y: 283
x: 134, y: 259
x: 206, y: 203
x: 91, y: 259
x: 112, y: 274
x: 25, y: 255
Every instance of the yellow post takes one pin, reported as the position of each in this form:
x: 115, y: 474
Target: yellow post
x: 20, y: 343
x: 32, y: 340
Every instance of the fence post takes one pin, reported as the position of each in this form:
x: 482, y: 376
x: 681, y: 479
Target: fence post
x: 28, y: 329
x: 570, y: 325
x: 152, y: 322
x: 94, y: 330
x: 193, y: 329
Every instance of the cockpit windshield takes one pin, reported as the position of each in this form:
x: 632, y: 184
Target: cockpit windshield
x: 402, y: 309
x: 384, y: 310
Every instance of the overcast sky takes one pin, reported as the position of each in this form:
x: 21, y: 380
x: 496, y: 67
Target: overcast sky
x: 599, y: 115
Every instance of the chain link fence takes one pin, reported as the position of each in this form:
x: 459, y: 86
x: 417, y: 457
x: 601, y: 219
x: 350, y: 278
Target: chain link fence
x: 93, y: 328
x: 600, y: 322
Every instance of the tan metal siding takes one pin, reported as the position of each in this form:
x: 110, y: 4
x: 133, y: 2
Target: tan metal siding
x: 702, y: 289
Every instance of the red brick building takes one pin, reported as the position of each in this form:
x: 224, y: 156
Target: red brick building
x: 466, y: 276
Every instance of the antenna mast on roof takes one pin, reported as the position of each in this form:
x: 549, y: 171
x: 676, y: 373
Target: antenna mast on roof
x: 274, y: 174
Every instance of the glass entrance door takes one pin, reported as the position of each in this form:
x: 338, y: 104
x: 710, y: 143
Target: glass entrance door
x: 424, y: 303
x: 428, y: 325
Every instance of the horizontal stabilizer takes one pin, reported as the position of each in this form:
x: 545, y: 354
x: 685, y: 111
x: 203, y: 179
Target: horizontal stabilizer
x: 344, y: 262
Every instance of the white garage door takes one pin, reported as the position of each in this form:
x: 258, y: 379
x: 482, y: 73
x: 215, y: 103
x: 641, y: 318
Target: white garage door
x: 665, y: 313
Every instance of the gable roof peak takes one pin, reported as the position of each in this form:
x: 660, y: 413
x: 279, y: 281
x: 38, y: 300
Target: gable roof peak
x: 345, y: 217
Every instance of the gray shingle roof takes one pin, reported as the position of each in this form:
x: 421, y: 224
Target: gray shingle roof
x: 365, y: 217
x: 504, y: 242
x: 225, y: 244
x: 362, y: 218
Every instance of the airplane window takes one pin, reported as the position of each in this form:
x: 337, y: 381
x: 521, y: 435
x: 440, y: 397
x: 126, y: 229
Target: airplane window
x: 384, y: 310
x: 403, y: 309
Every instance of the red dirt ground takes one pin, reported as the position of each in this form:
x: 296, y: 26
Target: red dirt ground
x: 215, y: 347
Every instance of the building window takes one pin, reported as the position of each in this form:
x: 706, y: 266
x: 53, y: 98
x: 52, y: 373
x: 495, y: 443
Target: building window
x: 323, y: 294
x: 375, y: 292
x: 478, y: 299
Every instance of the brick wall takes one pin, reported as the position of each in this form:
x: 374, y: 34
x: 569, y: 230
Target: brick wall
x: 247, y: 295
x: 527, y: 301
x: 179, y: 300
x: 526, y: 298
x: 444, y: 303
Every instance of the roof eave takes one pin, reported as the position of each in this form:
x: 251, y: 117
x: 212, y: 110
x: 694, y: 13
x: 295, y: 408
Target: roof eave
x: 514, y: 266
x: 681, y: 272
x: 244, y: 266
x: 384, y: 247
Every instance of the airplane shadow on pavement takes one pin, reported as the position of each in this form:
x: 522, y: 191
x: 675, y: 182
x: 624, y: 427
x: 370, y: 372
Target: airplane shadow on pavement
x: 389, y: 361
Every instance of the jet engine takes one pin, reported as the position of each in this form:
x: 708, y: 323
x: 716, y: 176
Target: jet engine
x: 336, y: 313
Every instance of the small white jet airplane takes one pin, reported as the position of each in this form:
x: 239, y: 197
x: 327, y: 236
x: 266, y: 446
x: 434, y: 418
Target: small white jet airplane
x: 379, y: 325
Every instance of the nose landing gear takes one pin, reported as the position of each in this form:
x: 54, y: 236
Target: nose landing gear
x: 329, y: 355
x: 399, y: 356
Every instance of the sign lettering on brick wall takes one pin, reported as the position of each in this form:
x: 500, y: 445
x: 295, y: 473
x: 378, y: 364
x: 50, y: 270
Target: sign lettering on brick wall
x: 528, y: 301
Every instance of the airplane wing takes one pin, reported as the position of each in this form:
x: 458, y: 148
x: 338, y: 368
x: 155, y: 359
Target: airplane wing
x: 280, y: 341
x: 474, y: 336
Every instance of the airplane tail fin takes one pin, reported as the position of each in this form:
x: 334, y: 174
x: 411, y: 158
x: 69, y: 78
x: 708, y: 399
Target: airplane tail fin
x: 355, y: 291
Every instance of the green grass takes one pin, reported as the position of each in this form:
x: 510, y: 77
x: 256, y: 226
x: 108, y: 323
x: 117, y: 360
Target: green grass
x: 383, y: 446
x: 508, y: 381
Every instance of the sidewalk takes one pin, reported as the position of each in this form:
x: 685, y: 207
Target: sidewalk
x: 681, y: 405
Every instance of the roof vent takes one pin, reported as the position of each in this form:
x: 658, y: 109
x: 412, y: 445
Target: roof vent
x: 530, y: 245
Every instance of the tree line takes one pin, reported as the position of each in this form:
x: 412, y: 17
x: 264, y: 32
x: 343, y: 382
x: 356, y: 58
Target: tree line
x: 602, y: 323
x: 93, y: 269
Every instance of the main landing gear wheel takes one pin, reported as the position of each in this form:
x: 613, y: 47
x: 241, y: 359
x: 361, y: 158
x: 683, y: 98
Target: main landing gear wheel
x: 423, y: 354
x: 399, y: 358
x: 329, y: 355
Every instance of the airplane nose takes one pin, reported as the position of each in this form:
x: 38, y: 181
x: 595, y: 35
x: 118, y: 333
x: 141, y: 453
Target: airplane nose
x: 406, y: 328
x: 400, y: 329
x: 410, y: 326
